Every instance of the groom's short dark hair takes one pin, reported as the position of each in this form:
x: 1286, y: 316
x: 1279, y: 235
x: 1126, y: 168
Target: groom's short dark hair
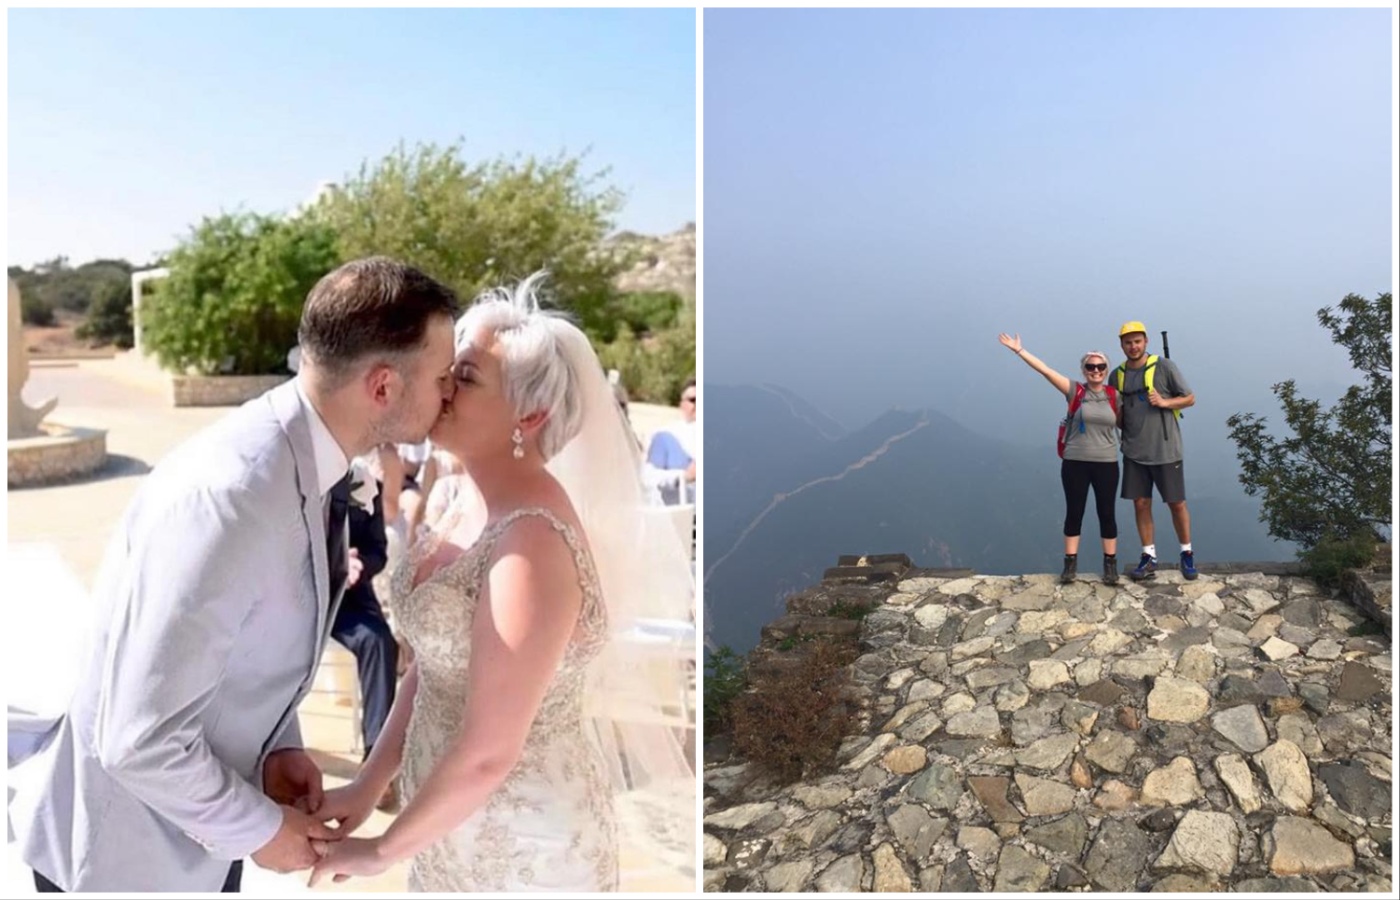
x: 370, y: 306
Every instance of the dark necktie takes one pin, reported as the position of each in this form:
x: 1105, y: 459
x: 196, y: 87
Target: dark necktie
x: 338, y: 564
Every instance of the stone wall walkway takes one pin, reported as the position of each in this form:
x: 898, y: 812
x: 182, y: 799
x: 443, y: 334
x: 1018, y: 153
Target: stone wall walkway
x: 1232, y: 733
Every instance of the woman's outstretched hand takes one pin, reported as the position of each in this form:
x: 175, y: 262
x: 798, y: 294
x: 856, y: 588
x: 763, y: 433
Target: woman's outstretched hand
x: 349, y: 806
x: 351, y: 857
x: 1012, y: 342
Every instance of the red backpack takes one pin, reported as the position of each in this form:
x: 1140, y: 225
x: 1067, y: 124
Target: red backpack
x: 1074, y: 408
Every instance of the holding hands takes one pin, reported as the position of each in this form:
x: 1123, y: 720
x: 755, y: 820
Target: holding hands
x: 362, y: 857
x: 349, y: 807
x: 292, y: 778
x: 298, y: 843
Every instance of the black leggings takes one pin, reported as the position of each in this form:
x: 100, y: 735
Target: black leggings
x: 1076, y: 475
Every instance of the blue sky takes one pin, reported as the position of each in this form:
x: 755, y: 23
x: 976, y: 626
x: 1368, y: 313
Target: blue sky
x: 125, y: 127
x: 885, y: 191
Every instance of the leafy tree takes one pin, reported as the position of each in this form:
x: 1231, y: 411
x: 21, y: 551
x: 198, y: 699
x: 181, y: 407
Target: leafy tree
x: 649, y: 311
x: 476, y: 226
x: 35, y: 309
x: 233, y: 299
x: 109, y: 316
x: 1330, y: 480
x: 54, y: 286
x: 654, y: 365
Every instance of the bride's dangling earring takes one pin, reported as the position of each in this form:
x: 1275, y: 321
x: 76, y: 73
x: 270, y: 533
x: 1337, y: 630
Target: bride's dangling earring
x: 518, y: 439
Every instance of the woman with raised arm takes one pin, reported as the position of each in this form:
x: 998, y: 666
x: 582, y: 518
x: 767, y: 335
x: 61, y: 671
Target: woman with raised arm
x: 1089, y: 450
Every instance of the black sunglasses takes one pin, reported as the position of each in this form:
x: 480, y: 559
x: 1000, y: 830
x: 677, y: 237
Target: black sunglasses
x: 1095, y: 367
x: 688, y: 399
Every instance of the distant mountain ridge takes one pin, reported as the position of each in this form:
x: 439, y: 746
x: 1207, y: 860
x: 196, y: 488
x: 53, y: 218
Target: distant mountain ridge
x: 782, y: 499
x: 824, y: 424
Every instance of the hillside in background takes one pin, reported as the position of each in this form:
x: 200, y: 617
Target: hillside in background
x: 666, y: 263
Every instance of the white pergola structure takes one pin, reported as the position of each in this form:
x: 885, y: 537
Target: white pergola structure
x: 137, y: 279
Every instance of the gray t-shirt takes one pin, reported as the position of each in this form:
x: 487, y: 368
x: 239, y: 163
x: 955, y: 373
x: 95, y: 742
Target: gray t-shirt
x: 1151, y: 436
x: 1098, y: 441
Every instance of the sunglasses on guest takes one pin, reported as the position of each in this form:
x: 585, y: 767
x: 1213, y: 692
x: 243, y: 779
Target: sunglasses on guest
x: 1095, y: 367
x: 689, y: 398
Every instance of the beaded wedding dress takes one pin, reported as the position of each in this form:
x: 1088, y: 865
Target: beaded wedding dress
x: 551, y: 825
x: 604, y: 764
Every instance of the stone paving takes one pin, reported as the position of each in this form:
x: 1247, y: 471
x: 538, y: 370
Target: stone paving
x: 1231, y: 733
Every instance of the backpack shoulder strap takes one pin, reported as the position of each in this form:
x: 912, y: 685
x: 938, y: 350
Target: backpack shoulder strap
x: 1112, y: 393
x: 1147, y: 371
x: 1077, y: 399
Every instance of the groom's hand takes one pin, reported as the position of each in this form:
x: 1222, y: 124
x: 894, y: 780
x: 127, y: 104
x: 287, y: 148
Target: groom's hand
x: 292, y: 779
x: 293, y: 848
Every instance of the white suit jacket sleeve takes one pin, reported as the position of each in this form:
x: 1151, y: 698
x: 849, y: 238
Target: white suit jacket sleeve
x: 190, y: 594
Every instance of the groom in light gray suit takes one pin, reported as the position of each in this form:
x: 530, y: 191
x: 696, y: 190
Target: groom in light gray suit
x: 180, y: 754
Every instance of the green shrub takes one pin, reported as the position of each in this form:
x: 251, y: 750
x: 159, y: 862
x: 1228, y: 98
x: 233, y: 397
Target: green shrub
x: 1332, y: 555
x: 655, y: 367
x: 852, y: 611
x: 724, y: 681
x: 233, y: 300
x: 35, y: 309
x: 649, y: 312
x: 109, y: 316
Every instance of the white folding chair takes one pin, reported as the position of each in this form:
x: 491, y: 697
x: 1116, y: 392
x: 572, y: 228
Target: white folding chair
x: 683, y: 518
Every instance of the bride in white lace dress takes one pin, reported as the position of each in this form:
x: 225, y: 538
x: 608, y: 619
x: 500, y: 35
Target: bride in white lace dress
x: 509, y: 754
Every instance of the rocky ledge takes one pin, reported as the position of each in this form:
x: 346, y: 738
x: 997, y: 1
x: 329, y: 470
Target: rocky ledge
x: 1227, y: 734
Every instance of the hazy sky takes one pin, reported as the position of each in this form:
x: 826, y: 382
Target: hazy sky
x: 125, y: 127
x: 885, y: 191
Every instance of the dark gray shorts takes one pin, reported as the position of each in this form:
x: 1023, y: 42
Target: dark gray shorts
x: 1139, y: 479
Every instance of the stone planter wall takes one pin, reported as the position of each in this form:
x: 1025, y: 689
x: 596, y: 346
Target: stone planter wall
x: 220, y: 390
x: 59, y: 454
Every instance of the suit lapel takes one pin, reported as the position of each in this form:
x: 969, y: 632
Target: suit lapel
x: 292, y: 416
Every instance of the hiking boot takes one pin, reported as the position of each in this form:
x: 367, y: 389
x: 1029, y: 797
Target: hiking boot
x: 1146, y: 568
x: 1188, y: 565
x: 1110, y: 569
x: 1071, y: 568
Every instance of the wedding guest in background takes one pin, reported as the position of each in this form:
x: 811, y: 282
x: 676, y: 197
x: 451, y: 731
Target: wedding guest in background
x: 671, y: 456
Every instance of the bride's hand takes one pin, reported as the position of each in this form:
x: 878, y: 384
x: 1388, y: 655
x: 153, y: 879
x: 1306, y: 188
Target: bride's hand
x: 350, y: 806
x: 351, y: 856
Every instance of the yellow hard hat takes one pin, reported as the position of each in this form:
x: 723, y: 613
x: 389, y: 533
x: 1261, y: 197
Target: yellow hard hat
x: 1130, y: 327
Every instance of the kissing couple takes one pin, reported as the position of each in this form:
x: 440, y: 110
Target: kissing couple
x: 179, y: 755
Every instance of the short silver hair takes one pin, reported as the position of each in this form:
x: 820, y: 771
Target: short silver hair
x: 536, y: 370
x: 1090, y: 355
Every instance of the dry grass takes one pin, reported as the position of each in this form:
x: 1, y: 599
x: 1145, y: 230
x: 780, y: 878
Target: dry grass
x: 791, y: 722
x: 61, y: 340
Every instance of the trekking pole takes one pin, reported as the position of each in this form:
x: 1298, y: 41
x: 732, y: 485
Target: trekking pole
x: 1167, y: 353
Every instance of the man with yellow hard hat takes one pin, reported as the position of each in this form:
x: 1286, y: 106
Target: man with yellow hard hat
x: 1153, y: 394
